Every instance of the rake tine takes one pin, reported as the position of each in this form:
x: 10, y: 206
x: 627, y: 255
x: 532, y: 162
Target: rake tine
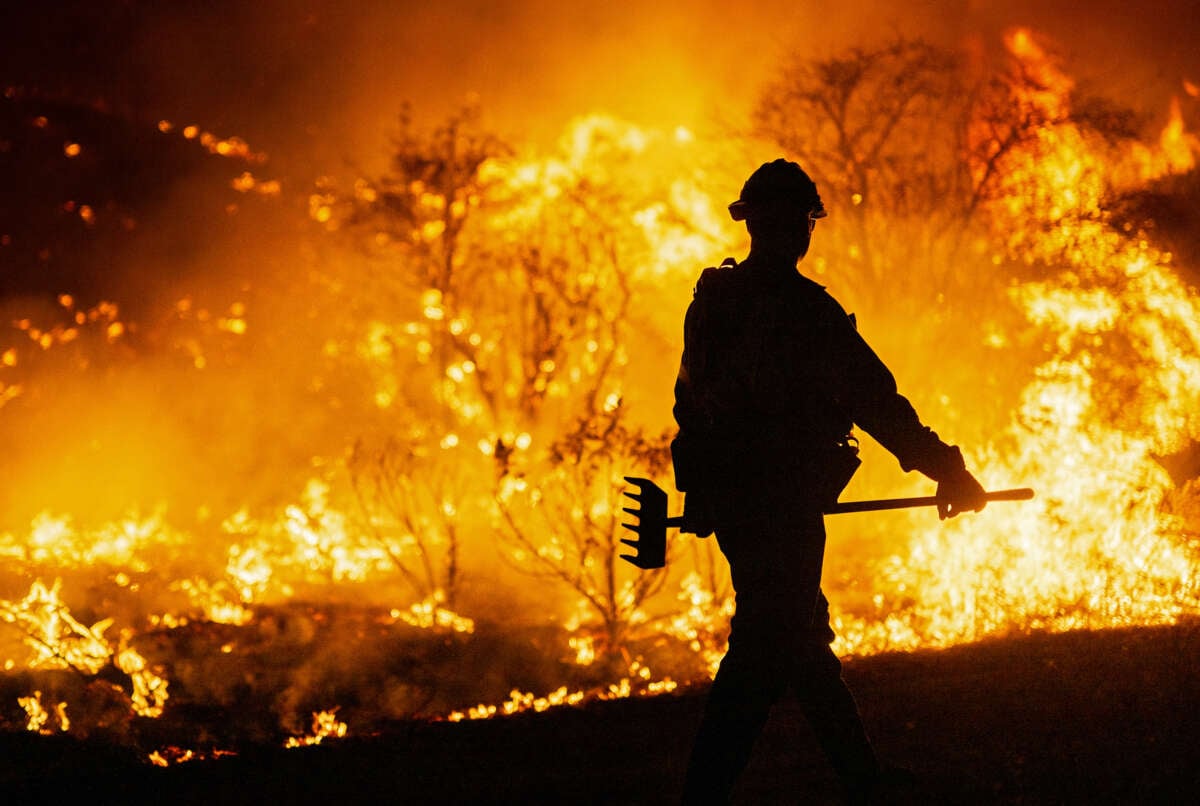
x: 652, y: 521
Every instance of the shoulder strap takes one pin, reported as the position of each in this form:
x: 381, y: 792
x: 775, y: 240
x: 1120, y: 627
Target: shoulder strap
x: 714, y: 276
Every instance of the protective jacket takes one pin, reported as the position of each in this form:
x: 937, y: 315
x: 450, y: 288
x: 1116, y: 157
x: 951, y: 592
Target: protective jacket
x: 773, y: 376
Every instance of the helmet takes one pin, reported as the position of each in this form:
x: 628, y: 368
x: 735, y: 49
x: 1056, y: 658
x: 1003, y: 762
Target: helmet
x: 774, y: 182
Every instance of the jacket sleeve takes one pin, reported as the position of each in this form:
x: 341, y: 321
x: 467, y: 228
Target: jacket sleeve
x: 695, y: 406
x: 866, y: 389
x: 688, y: 412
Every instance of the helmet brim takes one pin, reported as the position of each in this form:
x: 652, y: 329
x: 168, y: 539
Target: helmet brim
x: 740, y: 211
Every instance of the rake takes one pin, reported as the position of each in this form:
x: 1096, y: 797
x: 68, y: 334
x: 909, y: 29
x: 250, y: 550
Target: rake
x: 652, y: 522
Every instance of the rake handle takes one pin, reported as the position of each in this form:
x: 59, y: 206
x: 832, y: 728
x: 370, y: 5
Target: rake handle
x: 1018, y: 494
x: 876, y: 505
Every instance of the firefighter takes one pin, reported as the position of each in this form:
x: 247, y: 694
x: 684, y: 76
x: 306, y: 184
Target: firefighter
x: 774, y: 375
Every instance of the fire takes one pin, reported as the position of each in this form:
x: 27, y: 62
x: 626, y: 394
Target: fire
x: 1050, y: 87
x: 56, y: 640
x: 1099, y: 546
x: 639, y: 680
x: 482, y: 338
x: 233, y: 147
x: 518, y: 702
x: 166, y: 756
x: 325, y: 725
x: 1176, y: 151
x: 39, y: 717
x: 432, y: 613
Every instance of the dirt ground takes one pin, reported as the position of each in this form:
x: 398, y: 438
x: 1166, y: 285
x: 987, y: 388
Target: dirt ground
x: 1086, y: 717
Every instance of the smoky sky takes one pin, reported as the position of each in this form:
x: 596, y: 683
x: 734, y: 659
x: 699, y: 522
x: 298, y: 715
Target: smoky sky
x: 320, y: 81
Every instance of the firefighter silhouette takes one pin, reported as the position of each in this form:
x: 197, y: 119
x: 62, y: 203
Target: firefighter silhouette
x: 774, y: 375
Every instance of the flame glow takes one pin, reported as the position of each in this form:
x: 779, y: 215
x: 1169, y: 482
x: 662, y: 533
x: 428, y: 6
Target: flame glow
x: 1096, y: 548
x: 325, y: 725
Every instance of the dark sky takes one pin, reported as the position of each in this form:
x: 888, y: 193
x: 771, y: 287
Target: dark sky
x: 322, y: 79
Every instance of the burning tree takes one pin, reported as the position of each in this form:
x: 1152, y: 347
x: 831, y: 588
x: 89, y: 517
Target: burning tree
x: 911, y: 143
x: 1111, y: 389
x: 414, y: 285
x: 526, y: 271
x: 882, y: 129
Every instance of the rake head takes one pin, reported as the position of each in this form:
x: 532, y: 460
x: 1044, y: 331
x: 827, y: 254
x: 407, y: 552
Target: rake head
x: 650, y: 525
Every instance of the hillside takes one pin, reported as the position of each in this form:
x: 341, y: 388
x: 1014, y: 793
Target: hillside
x: 1103, y: 717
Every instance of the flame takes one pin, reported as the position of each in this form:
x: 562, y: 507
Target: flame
x: 56, y: 640
x: 1176, y: 149
x: 638, y: 681
x: 1050, y: 88
x: 166, y: 756
x: 325, y: 725
x: 704, y: 625
x: 1098, y: 547
x: 38, y: 718
x: 149, y: 693
x: 518, y: 702
x: 431, y: 612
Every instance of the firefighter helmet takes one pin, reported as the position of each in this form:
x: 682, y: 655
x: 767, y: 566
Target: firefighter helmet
x: 775, y: 182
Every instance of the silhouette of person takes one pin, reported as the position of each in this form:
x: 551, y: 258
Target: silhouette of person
x: 774, y: 375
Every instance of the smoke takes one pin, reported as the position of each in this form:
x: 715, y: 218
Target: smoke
x: 338, y: 71
x: 317, y: 85
x: 318, y: 82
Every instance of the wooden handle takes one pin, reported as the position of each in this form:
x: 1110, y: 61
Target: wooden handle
x: 1019, y: 494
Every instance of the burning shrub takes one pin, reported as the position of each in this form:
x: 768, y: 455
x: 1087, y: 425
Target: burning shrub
x: 562, y: 523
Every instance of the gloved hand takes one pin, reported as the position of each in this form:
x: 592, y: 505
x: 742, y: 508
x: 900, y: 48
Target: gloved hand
x: 959, y: 492
x: 697, y: 515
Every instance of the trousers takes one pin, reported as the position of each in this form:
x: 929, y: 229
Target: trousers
x: 779, y: 640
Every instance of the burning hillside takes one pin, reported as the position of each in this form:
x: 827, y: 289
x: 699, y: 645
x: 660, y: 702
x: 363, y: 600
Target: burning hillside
x: 362, y: 460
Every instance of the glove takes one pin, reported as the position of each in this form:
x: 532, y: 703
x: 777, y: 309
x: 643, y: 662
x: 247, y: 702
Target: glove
x: 697, y: 515
x: 959, y: 492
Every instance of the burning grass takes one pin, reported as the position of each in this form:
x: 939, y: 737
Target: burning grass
x: 1080, y: 717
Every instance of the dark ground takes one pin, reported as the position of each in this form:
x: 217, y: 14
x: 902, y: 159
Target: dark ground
x: 1100, y: 717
